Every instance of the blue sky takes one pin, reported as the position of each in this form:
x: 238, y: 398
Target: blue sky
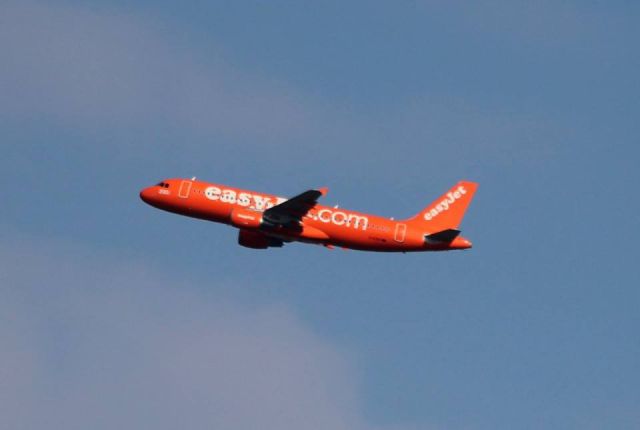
x: 114, y: 314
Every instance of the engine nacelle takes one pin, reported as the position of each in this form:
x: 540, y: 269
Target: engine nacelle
x: 253, y: 239
x: 245, y: 218
x: 257, y: 240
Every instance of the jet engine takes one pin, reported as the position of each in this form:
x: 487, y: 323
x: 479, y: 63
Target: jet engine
x: 256, y: 240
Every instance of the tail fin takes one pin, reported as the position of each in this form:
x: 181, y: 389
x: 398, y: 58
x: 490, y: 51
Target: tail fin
x: 447, y: 211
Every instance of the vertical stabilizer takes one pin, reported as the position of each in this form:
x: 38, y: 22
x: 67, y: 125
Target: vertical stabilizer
x: 447, y: 211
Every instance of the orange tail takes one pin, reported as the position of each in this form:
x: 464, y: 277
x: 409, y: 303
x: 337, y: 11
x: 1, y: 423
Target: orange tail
x: 447, y: 211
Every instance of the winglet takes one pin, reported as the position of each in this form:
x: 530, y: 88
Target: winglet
x: 324, y: 190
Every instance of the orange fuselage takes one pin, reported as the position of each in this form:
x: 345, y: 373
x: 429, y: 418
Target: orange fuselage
x: 321, y: 224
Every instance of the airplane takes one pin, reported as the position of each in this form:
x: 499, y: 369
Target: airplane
x: 268, y: 221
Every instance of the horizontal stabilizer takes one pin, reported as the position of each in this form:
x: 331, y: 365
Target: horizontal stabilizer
x: 444, y: 236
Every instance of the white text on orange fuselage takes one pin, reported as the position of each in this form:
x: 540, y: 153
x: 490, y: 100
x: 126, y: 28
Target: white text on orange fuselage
x: 260, y: 202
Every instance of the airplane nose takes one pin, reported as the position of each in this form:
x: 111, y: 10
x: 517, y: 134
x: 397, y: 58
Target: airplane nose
x: 145, y: 195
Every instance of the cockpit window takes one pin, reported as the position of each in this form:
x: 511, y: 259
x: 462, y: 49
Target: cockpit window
x: 163, y: 184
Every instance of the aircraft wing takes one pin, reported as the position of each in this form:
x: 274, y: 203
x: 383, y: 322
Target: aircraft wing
x: 290, y: 212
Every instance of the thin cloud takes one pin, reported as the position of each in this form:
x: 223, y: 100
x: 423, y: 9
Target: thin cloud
x: 84, y: 68
x: 103, y: 71
x: 90, y: 341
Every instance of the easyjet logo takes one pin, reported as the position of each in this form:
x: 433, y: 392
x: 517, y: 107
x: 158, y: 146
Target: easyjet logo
x: 260, y: 202
x: 340, y: 218
x: 445, y: 203
x: 252, y: 201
